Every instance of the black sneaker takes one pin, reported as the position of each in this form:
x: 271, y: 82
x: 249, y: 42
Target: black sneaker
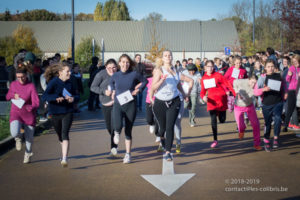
x: 284, y: 129
x: 168, y: 157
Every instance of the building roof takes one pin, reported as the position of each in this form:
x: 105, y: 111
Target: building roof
x: 132, y: 36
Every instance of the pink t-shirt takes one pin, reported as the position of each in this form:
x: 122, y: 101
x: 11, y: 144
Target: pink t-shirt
x: 28, y: 93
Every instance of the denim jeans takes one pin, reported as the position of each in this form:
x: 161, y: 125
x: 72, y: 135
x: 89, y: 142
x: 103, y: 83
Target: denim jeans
x: 271, y: 112
x: 193, y: 99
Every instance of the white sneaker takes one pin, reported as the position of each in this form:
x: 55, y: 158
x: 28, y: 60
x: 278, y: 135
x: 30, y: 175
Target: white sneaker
x: 27, y: 157
x: 18, y: 143
x: 157, y: 140
x: 64, y: 163
x: 117, y: 138
x: 114, y: 151
x: 127, y: 158
x: 43, y: 119
x: 151, y: 129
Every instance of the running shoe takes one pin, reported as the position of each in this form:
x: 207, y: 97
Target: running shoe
x: 18, y: 143
x: 291, y: 127
x: 241, y: 135
x: 64, y: 163
x: 113, y: 151
x: 275, y: 144
x: 178, y: 148
x: 214, y: 144
x: 27, y: 157
x: 168, y: 157
x: 257, y: 147
x: 160, y: 148
x: 296, y: 128
x: 267, y: 145
x: 127, y: 158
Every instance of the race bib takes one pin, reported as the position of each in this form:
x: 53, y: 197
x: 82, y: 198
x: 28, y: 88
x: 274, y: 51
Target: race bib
x: 235, y: 73
x: 274, y: 84
x: 209, y: 83
x: 124, y: 97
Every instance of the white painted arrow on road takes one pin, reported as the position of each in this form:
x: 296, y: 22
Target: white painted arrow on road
x: 168, y: 182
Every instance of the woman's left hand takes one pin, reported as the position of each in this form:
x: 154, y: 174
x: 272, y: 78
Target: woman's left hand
x: 69, y: 99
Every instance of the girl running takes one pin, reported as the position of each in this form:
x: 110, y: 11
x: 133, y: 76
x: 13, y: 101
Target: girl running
x: 25, y: 102
x: 213, y: 92
x: 124, y: 86
x: 61, y: 95
x: 100, y: 85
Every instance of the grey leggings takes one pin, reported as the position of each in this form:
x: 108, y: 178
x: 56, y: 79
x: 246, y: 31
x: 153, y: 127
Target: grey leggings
x: 15, y: 127
x: 177, y: 127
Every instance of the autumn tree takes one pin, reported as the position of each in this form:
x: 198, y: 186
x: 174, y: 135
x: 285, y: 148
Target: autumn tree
x: 289, y: 15
x: 21, y: 38
x: 155, y: 47
x: 84, y: 52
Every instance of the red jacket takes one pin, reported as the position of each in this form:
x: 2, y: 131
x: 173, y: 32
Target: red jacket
x: 216, y: 97
x: 228, y: 74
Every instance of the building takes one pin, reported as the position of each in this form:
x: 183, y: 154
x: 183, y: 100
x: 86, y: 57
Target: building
x: 184, y: 38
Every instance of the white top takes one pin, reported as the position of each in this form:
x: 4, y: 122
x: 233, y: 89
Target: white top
x: 168, y: 89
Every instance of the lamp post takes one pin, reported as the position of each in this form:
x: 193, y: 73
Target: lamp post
x: 73, y: 54
x: 253, y: 34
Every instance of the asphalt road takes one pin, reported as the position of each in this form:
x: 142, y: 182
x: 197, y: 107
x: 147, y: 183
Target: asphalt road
x: 232, y: 171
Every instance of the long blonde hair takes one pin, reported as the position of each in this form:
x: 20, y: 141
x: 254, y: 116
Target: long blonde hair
x: 54, y: 70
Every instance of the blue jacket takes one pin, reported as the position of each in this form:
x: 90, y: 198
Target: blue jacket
x: 54, y: 90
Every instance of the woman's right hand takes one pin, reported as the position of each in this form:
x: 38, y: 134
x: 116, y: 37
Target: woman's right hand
x: 290, y: 73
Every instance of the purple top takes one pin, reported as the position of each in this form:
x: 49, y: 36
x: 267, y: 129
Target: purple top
x: 293, y: 80
x: 28, y: 93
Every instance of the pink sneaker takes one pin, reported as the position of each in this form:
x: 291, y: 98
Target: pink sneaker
x: 214, y: 144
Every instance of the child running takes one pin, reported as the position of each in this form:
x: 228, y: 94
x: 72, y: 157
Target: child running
x: 213, y: 93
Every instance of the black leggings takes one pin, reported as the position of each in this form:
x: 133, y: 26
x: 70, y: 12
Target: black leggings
x: 62, y: 124
x: 107, y: 112
x: 150, y: 117
x: 291, y: 105
x: 166, y: 113
x: 213, y: 117
x: 127, y: 111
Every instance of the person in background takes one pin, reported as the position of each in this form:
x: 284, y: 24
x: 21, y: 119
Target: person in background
x: 178, y: 65
x: 93, y: 97
x: 100, y: 86
x: 184, y: 64
x: 292, y: 78
x: 192, y: 72
x: 140, y: 68
x: 272, y: 103
x: 78, y: 81
x: 190, y: 61
x: 61, y: 95
x: 25, y: 102
x: 198, y: 65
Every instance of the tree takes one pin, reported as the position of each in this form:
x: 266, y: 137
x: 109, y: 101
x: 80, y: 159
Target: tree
x: 124, y: 11
x: 7, y: 15
x: 84, y: 17
x: 84, y: 52
x: 107, y: 10
x: 156, y: 48
x: 24, y: 39
x: 98, y: 13
x: 153, y: 17
x: 289, y: 15
x: 116, y: 12
x: 8, y: 49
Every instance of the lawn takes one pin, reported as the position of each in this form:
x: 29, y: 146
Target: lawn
x: 4, y: 127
